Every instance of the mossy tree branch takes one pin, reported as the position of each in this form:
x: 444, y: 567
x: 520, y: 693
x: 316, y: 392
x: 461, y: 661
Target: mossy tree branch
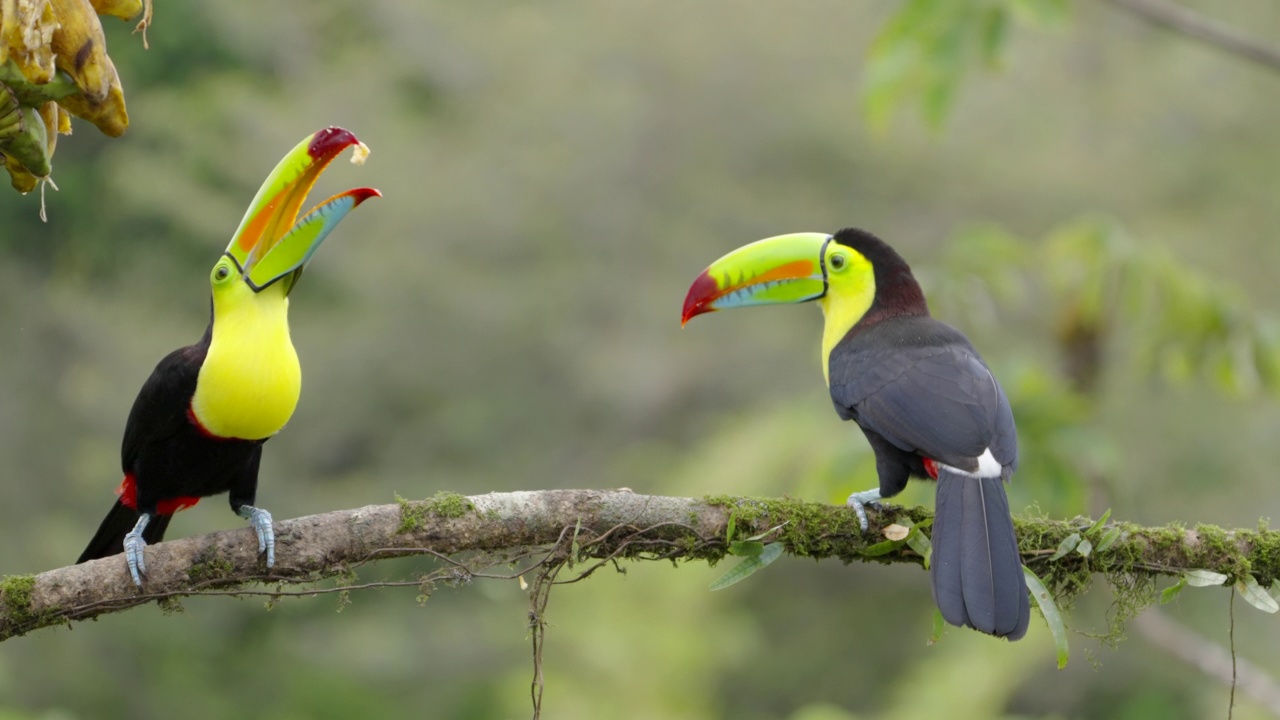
x: 549, y: 530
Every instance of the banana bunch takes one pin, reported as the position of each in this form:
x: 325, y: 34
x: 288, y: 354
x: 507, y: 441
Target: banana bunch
x: 54, y: 64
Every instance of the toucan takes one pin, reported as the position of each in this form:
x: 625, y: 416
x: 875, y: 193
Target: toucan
x: 198, y: 425
x: 925, y: 400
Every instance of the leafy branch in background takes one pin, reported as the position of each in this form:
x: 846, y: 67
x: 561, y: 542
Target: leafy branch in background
x: 1116, y: 310
x: 927, y: 47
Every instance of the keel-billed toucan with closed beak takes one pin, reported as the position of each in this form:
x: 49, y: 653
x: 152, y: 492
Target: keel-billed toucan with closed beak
x: 927, y: 403
x: 199, y: 422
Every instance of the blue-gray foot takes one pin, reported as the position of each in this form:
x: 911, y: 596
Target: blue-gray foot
x: 859, y: 501
x: 133, y: 545
x: 261, y: 521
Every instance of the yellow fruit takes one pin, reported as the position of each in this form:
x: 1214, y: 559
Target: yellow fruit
x: 123, y: 9
x: 26, y: 31
x: 19, y: 176
x: 110, y: 115
x: 80, y: 48
x: 49, y: 114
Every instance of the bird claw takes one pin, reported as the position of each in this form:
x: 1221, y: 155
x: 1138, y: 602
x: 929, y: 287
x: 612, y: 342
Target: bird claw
x: 261, y: 521
x: 133, y: 546
x: 859, y: 501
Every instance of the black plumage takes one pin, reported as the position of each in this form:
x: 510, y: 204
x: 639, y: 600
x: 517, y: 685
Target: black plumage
x: 919, y: 390
x: 169, y: 460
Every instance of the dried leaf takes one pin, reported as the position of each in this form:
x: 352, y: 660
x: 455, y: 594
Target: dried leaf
x: 897, y: 532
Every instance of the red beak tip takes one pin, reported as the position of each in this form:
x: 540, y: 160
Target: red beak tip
x: 362, y: 194
x: 330, y: 141
x: 701, y: 294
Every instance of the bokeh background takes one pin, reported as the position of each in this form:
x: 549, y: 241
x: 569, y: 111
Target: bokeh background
x: 1091, y: 199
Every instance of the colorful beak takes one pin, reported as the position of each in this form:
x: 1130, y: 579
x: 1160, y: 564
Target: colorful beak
x: 270, y: 245
x: 781, y: 269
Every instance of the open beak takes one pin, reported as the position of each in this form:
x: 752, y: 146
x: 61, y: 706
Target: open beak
x: 270, y: 245
x: 781, y: 269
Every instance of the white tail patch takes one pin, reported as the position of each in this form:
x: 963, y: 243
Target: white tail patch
x: 988, y: 466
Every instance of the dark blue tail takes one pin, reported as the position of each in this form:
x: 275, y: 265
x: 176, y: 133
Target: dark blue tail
x: 977, y: 574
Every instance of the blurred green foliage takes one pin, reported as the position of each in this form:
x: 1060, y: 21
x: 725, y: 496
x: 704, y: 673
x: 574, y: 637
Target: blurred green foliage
x: 506, y: 318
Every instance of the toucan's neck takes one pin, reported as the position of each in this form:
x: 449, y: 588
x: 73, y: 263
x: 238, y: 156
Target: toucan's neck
x: 889, y: 292
x: 897, y: 294
x: 250, y: 380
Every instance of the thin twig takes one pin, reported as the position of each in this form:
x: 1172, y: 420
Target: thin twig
x: 1205, y: 29
x: 1210, y: 658
x: 1231, y: 637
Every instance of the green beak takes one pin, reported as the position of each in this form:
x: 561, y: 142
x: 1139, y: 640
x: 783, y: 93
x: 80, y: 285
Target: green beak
x: 781, y: 269
x: 269, y: 245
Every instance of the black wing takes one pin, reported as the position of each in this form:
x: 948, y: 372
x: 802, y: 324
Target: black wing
x: 920, y: 385
x: 160, y: 410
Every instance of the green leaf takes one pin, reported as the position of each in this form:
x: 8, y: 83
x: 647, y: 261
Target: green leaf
x: 1168, y: 594
x: 746, y: 548
x: 1204, y: 578
x: 1253, y: 593
x: 1067, y: 545
x: 919, y: 542
x: 883, y: 548
x: 1049, y: 609
x: 1108, y: 539
x: 1096, y: 526
x: 733, y: 525
x: 744, y: 569
x: 1084, y: 548
x: 939, y: 626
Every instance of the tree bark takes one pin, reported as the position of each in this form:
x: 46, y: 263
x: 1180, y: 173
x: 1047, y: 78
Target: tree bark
x: 584, y: 529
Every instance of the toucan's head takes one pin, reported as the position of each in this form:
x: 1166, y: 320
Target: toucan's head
x: 851, y: 266
x: 853, y: 275
x: 270, y: 249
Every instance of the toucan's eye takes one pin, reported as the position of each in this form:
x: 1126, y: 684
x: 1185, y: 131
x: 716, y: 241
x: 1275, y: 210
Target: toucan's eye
x: 221, y: 273
x: 837, y: 262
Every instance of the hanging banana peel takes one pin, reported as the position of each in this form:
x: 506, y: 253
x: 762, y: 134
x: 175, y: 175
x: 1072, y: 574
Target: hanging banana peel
x: 54, y: 64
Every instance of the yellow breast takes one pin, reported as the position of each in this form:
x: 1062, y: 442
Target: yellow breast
x: 848, y: 298
x: 250, y: 380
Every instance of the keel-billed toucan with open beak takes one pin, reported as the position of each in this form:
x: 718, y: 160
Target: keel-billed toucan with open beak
x: 199, y: 422
x: 927, y: 403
